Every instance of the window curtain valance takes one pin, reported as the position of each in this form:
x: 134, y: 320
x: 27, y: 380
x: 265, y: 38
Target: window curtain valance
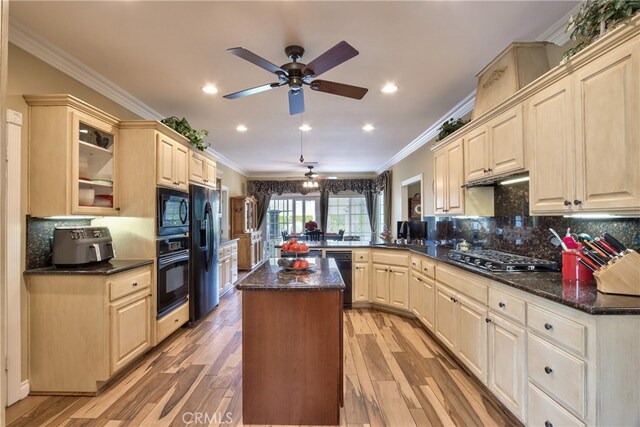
x: 360, y: 186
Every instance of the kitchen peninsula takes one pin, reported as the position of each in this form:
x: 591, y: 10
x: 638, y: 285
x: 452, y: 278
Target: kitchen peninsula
x: 292, y: 344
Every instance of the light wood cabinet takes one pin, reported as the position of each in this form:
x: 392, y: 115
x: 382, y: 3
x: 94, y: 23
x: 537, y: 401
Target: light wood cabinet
x: 202, y: 170
x: 390, y: 279
x: 250, y: 250
x: 422, y: 299
x: 446, y: 325
x: 399, y: 287
x: 83, y: 329
x: 380, y: 286
x: 172, y: 163
x: 495, y: 148
x: 227, y: 266
x: 361, y: 273
x: 507, y: 356
x: 449, y: 178
x: 82, y: 142
x: 244, y: 223
x: 588, y: 120
x: 170, y: 323
x: 244, y: 217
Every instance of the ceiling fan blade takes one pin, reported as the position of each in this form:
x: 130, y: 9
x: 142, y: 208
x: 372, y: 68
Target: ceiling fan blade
x: 296, y: 102
x: 252, y: 91
x: 247, y: 55
x: 335, y: 56
x: 341, y: 89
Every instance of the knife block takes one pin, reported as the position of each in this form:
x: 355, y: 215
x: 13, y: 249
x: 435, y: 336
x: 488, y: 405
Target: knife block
x: 621, y: 276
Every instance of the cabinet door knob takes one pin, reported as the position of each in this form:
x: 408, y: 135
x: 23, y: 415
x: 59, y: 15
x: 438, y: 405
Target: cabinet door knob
x: 134, y: 284
x: 567, y: 203
x: 490, y: 170
x: 177, y: 320
x: 487, y: 320
x: 577, y: 202
x: 548, y: 370
x: 485, y: 170
x: 548, y: 424
x: 118, y: 209
x: 452, y: 299
x: 501, y: 305
x: 548, y: 326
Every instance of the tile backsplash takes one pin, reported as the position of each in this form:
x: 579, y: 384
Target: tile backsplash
x: 513, y: 230
x: 39, y: 237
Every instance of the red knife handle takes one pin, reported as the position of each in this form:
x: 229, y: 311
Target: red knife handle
x: 598, y: 250
x: 603, y: 244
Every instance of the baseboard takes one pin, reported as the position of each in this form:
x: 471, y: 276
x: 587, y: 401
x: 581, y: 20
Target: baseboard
x: 24, y: 389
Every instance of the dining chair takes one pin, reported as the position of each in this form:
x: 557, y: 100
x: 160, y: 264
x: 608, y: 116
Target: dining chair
x: 340, y: 235
x: 315, y: 235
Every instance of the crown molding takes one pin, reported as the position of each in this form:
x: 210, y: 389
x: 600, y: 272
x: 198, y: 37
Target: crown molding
x: 463, y: 108
x: 555, y: 34
x: 31, y: 42
x: 26, y: 39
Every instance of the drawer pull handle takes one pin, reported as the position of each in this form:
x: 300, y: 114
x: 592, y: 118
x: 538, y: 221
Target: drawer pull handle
x: 177, y: 320
x: 548, y: 424
x: 134, y: 284
x: 548, y: 326
x: 502, y: 305
x: 548, y: 370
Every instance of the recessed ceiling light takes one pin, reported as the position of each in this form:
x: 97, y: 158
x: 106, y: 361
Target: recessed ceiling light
x: 211, y: 89
x: 389, y: 88
x: 305, y: 128
x: 241, y: 128
x: 368, y: 127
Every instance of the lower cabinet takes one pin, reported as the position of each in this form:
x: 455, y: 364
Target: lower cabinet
x: 227, y: 266
x: 83, y: 329
x: 170, y: 322
x: 250, y: 249
x: 391, y: 286
x: 507, y: 358
x: 461, y: 326
x: 422, y: 299
x: 361, y: 273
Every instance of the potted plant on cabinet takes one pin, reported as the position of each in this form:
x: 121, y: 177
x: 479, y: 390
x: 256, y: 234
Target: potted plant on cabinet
x: 182, y: 126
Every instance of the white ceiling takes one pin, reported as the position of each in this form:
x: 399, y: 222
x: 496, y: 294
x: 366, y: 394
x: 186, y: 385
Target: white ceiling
x: 164, y: 52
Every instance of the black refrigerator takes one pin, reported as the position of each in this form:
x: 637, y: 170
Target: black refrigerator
x: 204, y: 235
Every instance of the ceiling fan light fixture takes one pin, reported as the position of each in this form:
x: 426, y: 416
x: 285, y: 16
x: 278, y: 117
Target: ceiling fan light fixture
x: 305, y: 128
x: 368, y: 127
x: 241, y: 128
x: 389, y: 88
x: 210, y: 89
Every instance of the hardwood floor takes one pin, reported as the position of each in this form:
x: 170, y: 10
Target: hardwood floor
x: 395, y: 375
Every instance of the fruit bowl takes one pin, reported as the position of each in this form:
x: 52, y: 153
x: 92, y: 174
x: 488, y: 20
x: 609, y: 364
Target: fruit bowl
x: 293, y: 264
x: 293, y: 253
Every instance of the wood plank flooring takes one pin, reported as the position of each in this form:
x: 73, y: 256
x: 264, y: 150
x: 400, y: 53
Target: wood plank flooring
x: 395, y: 375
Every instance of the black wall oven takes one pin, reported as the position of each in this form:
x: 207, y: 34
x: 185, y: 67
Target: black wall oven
x: 173, y: 212
x: 173, y: 273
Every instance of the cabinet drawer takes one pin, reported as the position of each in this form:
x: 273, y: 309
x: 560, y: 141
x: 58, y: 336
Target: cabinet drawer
x: 416, y: 263
x: 360, y: 256
x: 172, y: 321
x: 464, y: 283
x: 391, y: 258
x: 428, y: 268
x: 226, y: 251
x: 566, y: 332
x: 557, y: 373
x: 506, y: 304
x: 234, y: 248
x: 129, y: 283
x: 544, y: 411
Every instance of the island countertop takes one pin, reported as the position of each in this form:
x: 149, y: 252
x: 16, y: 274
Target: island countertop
x: 323, y: 275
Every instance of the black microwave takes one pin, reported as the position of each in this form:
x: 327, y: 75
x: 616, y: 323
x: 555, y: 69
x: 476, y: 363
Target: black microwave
x: 172, y: 211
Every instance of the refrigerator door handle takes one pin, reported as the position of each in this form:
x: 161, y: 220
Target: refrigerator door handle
x: 209, y: 233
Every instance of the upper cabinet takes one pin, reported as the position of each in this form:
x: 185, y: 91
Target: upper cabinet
x: 202, y: 170
x: 72, y: 158
x: 449, y: 178
x: 589, y: 121
x: 173, y: 163
x: 495, y: 148
x: 243, y: 215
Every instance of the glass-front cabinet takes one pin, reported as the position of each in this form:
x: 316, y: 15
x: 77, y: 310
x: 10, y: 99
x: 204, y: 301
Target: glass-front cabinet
x: 95, y: 170
x: 72, y: 158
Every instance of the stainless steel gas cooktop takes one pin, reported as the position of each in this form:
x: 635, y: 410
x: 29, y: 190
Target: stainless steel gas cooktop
x: 497, y: 261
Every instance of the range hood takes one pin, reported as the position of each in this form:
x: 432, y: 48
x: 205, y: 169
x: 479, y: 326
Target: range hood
x: 499, y: 180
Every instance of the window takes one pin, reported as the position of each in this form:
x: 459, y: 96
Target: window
x: 289, y: 214
x: 349, y: 213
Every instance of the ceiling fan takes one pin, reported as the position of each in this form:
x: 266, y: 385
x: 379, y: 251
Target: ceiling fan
x: 296, y: 74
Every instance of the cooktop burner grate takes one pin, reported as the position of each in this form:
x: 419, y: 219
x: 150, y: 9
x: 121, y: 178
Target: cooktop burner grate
x: 492, y: 260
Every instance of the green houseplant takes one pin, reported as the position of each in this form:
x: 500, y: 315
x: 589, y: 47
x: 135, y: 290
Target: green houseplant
x: 595, y: 18
x: 182, y: 126
x: 449, y: 127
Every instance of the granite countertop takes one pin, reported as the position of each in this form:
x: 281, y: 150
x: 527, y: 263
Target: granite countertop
x: 581, y: 296
x: 324, y: 275
x: 102, y: 268
x: 224, y: 242
x: 333, y: 244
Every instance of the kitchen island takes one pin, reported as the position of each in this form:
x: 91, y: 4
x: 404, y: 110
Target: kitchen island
x: 292, y: 344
